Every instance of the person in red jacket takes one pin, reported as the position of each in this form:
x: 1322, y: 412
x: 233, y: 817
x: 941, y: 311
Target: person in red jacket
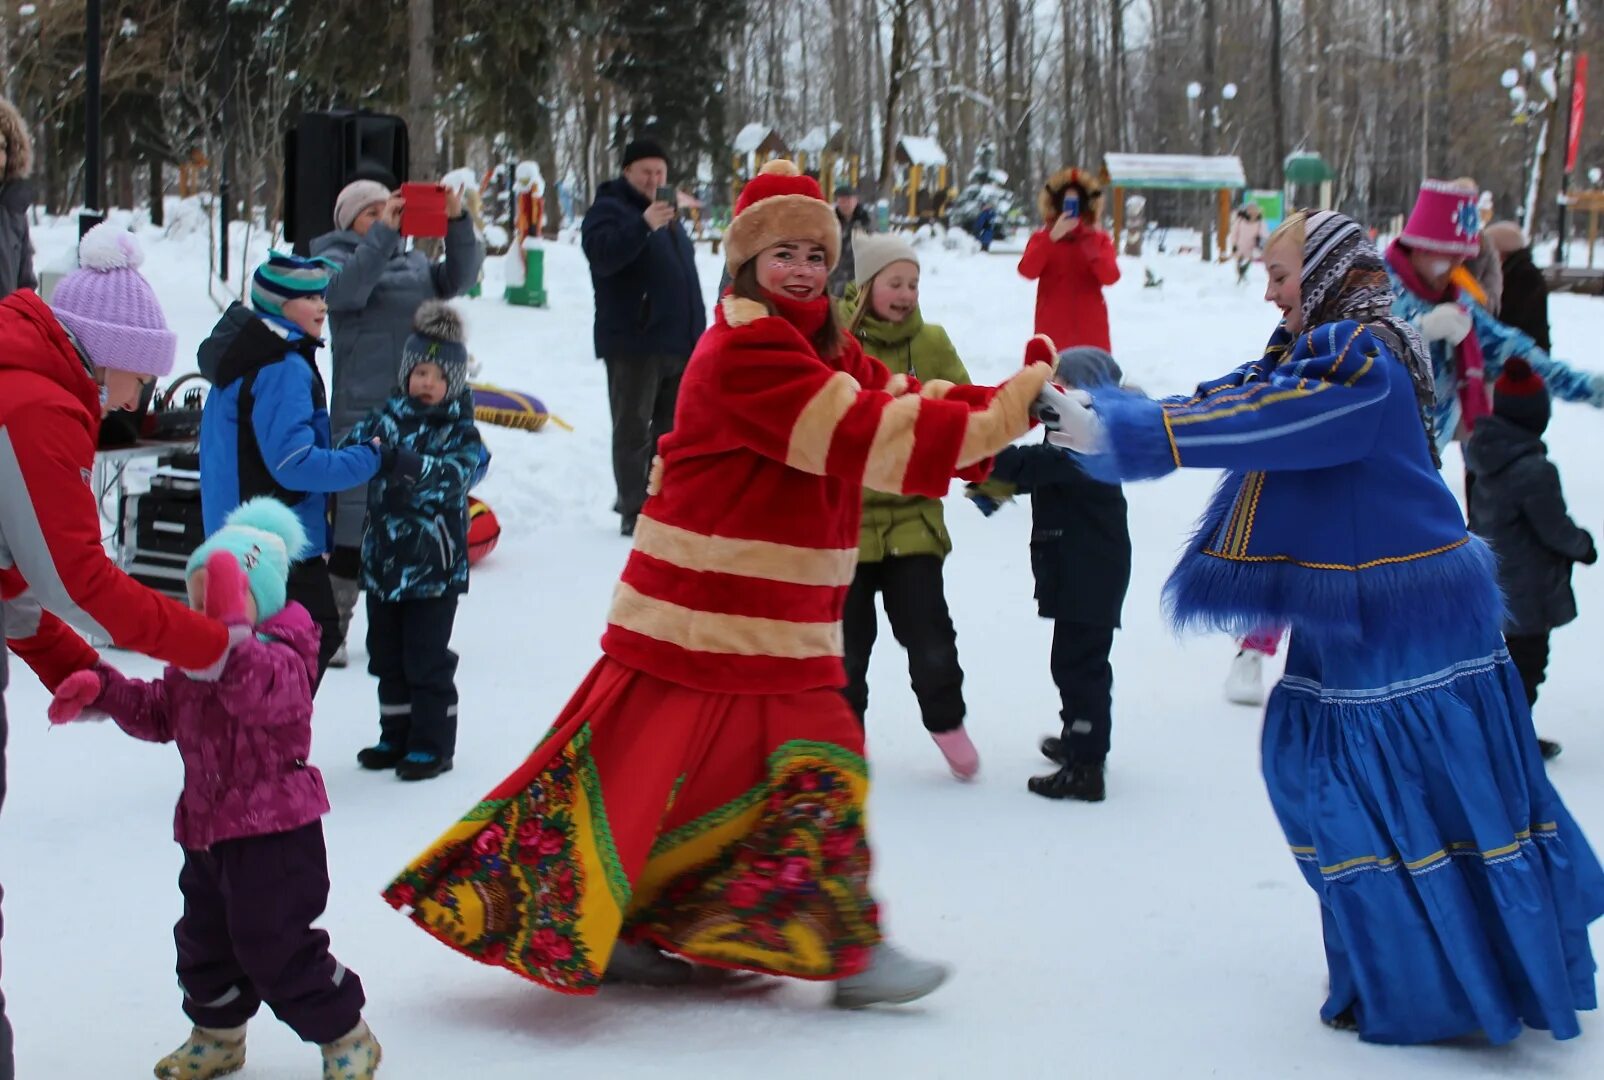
x: 60, y: 372
x: 703, y: 792
x: 1072, y: 261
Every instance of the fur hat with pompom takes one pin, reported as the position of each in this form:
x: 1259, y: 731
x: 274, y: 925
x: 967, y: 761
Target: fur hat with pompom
x: 780, y: 203
x: 267, y: 538
x: 438, y: 337
x: 111, y: 309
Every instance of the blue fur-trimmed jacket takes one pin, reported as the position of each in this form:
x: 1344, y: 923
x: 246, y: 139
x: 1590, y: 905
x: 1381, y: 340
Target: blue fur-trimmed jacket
x: 416, y: 546
x: 1331, y: 517
x: 1499, y: 342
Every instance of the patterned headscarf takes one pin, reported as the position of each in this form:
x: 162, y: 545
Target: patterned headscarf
x: 1344, y: 278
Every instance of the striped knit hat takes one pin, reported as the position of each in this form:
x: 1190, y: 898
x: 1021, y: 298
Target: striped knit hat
x: 283, y: 278
x: 437, y: 338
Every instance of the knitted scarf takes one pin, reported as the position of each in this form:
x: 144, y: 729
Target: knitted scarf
x: 1343, y: 278
x: 1470, y: 365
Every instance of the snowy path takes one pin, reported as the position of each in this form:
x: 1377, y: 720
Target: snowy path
x: 1163, y: 933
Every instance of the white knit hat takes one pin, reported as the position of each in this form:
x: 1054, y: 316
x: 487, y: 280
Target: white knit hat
x: 874, y: 252
x: 356, y: 197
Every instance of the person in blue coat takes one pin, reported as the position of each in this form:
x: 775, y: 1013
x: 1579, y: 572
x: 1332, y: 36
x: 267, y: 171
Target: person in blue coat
x: 649, y: 313
x: 265, y: 426
x: 1455, y: 889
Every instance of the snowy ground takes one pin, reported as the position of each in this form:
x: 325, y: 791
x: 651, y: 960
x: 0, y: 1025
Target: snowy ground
x: 1163, y: 933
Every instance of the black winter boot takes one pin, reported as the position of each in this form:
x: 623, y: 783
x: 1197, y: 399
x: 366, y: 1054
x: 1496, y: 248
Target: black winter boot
x: 1083, y: 782
x: 381, y: 755
x: 421, y: 765
x: 1549, y: 749
x: 1053, y: 749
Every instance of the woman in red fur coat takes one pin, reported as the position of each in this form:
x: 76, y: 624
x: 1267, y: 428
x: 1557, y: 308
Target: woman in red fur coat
x: 1072, y: 261
x: 703, y: 792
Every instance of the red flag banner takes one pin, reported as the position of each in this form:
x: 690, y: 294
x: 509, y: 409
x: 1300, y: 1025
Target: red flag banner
x: 1578, y: 108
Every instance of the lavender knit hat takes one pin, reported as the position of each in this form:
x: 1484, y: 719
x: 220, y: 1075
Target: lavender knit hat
x: 110, y: 307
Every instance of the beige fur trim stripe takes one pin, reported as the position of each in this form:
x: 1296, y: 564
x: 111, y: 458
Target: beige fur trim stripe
x: 887, y: 465
x: 897, y: 385
x: 827, y: 567
x: 739, y: 311
x: 730, y: 635
x: 815, y: 426
x: 1006, y: 418
x: 936, y: 389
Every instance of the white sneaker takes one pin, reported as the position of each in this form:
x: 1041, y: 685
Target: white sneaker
x: 207, y: 1053
x: 339, y: 659
x: 645, y: 965
x: 1245, y: 684
x: 892, y: 978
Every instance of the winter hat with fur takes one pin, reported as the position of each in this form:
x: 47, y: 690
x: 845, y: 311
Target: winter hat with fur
x: 438, y: 337
x: 111, y: 309
x: 267, y: 538
x: 19, y: 147
x: 779, y: 203
x: 873, y: 252
x: 1521, y: 397
x: 1051, y: 200
x: 356, y: 197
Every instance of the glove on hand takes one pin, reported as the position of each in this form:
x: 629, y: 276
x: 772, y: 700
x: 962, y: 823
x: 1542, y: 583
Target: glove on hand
x: 403, y: 466
x: 983, y: 502
x: 1078, y: 427
x: 1446, y: 322
x: 76, y: 693
x: 226, y: 589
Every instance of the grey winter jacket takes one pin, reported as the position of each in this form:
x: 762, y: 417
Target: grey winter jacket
x: 1516, y: 506
x: 372, y: 298
x: 16, y: 249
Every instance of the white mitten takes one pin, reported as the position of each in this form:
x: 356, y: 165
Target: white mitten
x: 1446, y: 322
x: 1078, y: 427
x: 1053, y: 403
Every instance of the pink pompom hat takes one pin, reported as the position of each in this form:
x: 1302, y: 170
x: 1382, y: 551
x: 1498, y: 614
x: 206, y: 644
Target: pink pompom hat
x: 110, y: 307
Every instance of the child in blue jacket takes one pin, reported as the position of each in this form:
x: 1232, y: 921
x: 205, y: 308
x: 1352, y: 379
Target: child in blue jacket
x: 265, y: 427
x: 415, y: 553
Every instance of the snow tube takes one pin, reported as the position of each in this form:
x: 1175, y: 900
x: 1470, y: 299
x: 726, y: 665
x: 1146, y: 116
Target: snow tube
x: 510, y: 408
x: 483, y: 530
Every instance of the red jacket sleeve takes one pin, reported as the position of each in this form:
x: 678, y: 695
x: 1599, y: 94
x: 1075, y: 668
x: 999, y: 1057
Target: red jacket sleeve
x: 1038, y: 253
x: 42, y: 641
x: 52, y: 528
x: 1096, y: 247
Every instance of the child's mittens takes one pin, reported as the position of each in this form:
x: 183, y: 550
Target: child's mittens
x: 401, y: 465
x: 76, y: 693
x: 983, y: 502
x: 226, y: 589
x: 1446, y: 322
x: 1592, y: 550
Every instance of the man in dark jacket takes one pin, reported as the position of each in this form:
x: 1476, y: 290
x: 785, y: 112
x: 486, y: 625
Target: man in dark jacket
x: 649, y: 312
x: 1525, y: 296
x: 852, y: 218
x: 1520, y: 510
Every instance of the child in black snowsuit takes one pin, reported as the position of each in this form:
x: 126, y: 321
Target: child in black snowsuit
x: 1080, y: 551
x: 415, y: 553
x: 1519, y: 509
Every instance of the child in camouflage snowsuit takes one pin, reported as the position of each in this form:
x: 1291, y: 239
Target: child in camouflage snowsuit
x: 415, y: 553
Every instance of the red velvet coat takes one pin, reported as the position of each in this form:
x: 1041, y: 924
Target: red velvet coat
x: 1071, y: 275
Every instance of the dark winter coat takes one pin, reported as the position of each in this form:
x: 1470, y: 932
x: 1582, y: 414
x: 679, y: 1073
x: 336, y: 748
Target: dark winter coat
x: 846, y: 269
x: 372, y: 299
x: 648, y: 297
x: 16, y: 249
x: 416, y: 546
x: 1525, y: 305
x: 1518, y: 508
x: 265, y: 427
x: 1080, y: 541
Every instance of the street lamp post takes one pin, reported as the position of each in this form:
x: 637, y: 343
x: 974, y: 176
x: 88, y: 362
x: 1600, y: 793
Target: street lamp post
x: 1532, y: 93
x: 1210, y: 116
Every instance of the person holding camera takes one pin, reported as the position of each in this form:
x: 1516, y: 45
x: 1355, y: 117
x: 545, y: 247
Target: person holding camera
x: 649, y: 311
x: 376, y: 286
x: 1072, y: 261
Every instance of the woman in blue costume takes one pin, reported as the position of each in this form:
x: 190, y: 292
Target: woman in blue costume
x: 1455, y: 889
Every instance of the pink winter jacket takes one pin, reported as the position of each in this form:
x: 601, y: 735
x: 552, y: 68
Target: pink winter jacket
x: 244, y: 738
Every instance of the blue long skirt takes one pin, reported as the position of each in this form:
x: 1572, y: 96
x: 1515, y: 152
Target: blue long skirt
x: 1455, y: 888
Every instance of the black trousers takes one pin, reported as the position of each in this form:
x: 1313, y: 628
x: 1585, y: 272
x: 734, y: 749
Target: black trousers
x: 1085, y: 681
x: 1530, y: 654
x: 409, y: 649
x: 916, y: 604
x: 309, y: 586
x: 642, y: 392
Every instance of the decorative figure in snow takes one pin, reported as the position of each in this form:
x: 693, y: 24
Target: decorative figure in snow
x: 525, y: 259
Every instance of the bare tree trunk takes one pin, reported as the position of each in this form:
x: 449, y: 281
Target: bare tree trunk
x: 1441, y: 112
x: 894, y: 78
x: 420, y: 87
x: 1072, y: 103
x: 1116, y: 134
x: 1278, y: 120
x: 1206, y: 102
x: 156, y: 191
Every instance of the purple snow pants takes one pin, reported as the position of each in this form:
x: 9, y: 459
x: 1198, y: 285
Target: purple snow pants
x: 246, y: 936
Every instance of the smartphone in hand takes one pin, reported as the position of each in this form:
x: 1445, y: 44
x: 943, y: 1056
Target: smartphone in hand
x: 1072, y: 206
x: 667, y: 194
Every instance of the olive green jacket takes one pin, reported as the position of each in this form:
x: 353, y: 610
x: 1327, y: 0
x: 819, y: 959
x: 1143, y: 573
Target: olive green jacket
x: 902, y: 525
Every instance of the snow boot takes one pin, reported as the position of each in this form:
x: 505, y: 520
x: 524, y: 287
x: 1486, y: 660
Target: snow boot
x: 1549, y: 749
x: 380, y: 756
x: 643, y: 964
x: 354, y: 1056
x: 1082, y: 781
x: 422, y: 765
x: 208, y: 1052
x: 962, y: 757
x: 347, y: 591
x: 892, y: 978
x: 1054, y: 750
x: 1245, y: 684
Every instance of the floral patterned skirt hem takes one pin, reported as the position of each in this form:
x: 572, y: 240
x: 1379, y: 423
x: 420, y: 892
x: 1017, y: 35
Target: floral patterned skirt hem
x: 725, y: 828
